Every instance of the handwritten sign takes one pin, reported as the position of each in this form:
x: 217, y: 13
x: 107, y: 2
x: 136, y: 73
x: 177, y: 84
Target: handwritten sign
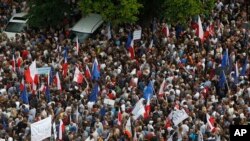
x: 137, y: 34
x: 178, y: 116
x: 44, y: 70
x: 109, y: 102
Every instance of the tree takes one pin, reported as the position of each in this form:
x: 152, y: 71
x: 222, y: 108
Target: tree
x: 114, y: 11
x: 150, y: 10
x: 179, y: 11
x: 47, y: 13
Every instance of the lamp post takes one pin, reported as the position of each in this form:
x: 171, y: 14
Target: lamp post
x: 246, y: 2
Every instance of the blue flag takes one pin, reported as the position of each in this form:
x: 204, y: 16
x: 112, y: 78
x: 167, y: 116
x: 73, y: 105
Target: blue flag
x: 222, y: 79
x: 103, y: 111
x: 244, y: 68
x: 24, y: 96
x: 95, y: 71
x: 236, y: 74
x: 5, y: 125
x: 129, y: 40
x: 225, y: 59
x: 94, y: 93
x: 47, y: 94
x: 148, y: 91
x: 65, y: 55
x: 51, y: 75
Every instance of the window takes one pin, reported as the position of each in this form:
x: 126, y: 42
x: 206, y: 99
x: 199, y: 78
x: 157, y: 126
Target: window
x: 15, y: 27
x: 81, y: 36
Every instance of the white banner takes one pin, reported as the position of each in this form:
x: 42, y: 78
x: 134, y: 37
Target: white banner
x: 137, y: 34
x: 178, y: 116
x: 109, y: 102
x: 41, y: 130
x: 44, y: 70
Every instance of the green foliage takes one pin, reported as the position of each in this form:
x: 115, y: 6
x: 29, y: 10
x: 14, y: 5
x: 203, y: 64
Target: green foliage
x: 151, y: 9
x: 114, y: 11
x: 179, y: 11
x: 46, y: 13
x: 208, y: 6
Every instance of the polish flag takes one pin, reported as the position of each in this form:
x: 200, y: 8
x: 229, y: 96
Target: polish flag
x: 147, y: 109
x: 168, y: 120
x: 134, y: 81
x: 128, y: 129
x: 151, y: 43
x: 177, y: 106
x: 162, y: 87
x: 210, y: 122
x: 119, y: 117
x: 61, y: 130
x: 78, y: 77
x: 165, y: 30
x: 19, y: 62
x: 200, y: 29
x: 34, y: 88
x: 42, y: 88
x: 22, y: 85
x: 13, y: 63
x: 65, y: 69
x: 87, y: 72
x: 131, y: 49
x: 31, y: 74
x: 135, y: 136
x: 77, y: 45
x: 209, y: 31
x: 58, y: 82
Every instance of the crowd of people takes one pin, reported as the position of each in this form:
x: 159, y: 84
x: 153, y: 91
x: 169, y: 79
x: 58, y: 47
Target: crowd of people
x: 204, y: 77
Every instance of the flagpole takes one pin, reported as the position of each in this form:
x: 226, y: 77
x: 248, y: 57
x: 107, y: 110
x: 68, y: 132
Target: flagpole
x: 226, y: 80
x: 155, y: 95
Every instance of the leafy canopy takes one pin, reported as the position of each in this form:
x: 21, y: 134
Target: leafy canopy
x: 179, y: 11
x: 114, y: 11
x: 46, y: 13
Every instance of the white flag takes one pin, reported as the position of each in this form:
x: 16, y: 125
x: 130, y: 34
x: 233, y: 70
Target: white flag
x: 41, y: 130
x: 54, y: 130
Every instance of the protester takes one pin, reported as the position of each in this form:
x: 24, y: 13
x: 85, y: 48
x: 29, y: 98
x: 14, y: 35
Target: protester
x: 96, y: 93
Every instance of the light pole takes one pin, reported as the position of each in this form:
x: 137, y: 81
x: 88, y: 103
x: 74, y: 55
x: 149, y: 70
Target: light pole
x: 248, y: 10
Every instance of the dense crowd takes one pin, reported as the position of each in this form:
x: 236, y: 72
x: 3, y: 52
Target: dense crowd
x: 196, y: 78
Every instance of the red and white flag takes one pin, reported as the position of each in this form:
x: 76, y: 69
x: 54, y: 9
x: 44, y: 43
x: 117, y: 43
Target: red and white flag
x: 151, y: 43
x: 31, y: 74
x: 209, y: 31
x: 87, y: 72
x: 58, y: 82
x: 13, y: 63
x: 42, y: 88
x: 135, y: 136
x: 133, y: 82
x: 19, y: 62
x: 168, y: 120
x: 119, y: 117
x: 200, y: 29
x: 128, y: 129
x: 77, y: 45
x: 210, y: 122
x: 61, y: 130
x: 131, y: 49
x: 147, y: 109
x: 162, y: 87
x: 65, y: 68
x: 78, y: 76
x: 165, y: 30
x: 22, y: 85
